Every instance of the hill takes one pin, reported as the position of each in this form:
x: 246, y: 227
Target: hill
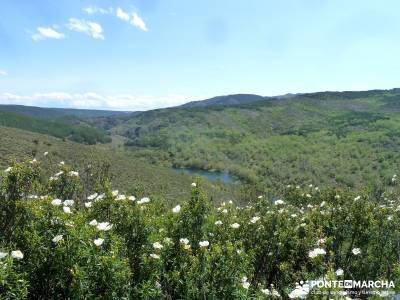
x: 60, y: 128
x: 225, y: 100
x: 129, y: 173
x: 53, y: 113
x: 330, y: 138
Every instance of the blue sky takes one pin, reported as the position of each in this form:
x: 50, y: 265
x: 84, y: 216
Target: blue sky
x: 144, y: 54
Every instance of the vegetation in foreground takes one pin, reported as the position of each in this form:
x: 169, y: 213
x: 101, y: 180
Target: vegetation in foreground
x: 73, y: 237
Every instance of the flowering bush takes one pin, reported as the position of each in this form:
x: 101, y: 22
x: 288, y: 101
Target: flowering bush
x: 56, y: 243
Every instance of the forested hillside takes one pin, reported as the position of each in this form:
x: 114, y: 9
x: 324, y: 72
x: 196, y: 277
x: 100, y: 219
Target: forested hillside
x: 53, y: 113
x: 128, y: 172
x: 58, y: 127
x: 331, y: 138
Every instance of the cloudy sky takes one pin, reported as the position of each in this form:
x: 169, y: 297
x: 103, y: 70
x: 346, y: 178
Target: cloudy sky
x: 144, y: 54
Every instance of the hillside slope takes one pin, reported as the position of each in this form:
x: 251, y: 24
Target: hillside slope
x: 129, y: 172
x: 225, y: 100
x: 53, y: 113
x: 60, y: 128
x: 330, y: 138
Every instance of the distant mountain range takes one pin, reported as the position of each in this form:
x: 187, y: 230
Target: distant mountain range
x: 51, y: 113
x: 225, y: 100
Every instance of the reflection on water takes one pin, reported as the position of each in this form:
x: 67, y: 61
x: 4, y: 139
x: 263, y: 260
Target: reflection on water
x: 212, y: 176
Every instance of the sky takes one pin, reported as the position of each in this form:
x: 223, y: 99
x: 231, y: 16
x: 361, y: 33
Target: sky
x: 146, y: 54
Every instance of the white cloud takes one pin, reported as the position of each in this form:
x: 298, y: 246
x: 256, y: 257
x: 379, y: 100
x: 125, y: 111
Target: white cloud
x: 92, y: 100
x: 138, y: 22
x: 47, y: 33
x: 90, y: 28
x: 3, y: 73
x: 132, y: 18
x: 122, y: 14
x: 91, y: 10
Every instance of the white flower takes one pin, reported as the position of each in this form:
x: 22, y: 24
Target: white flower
x: 321, y: 241
x: 279, y: 202
x: 33, y: 161
x: 115, y: 193
x: 157, y: 245
x: 131, y: 198
x: 92, y: 196
x: 67, y: 210
x: 266, y: 292
x: 61, y: 163
x: 8, y: 169
x: 93, y: 223
x: 73, y: 174
x: 235, y: 225
x: 176, y: 209
x: 193, y: 184
x: 3, y: 254
x: 245, y: 283
x: 300, y: 292
x: 254, y: 219
x: 184, y: 241
x: 225, y: 211
x: 69, y: 202
x: 259, y: 197
x: 357, y: 198
x: 120, y: 197
x: 204, y: 243
x: 339, y: 272
x: 57, y: 238
x: 56, y: 202
x: 143, y: 200
x: 356, y: 251
x: 46, y: 153
x: 104, y: 226
x: 88, y: 204
x: 155, y: 256
x: 317, y: 251
x: 17, y: 254
x: 275, y: 293
x: 219, y: 222
x: 58, y: 174
x: 98, y: 242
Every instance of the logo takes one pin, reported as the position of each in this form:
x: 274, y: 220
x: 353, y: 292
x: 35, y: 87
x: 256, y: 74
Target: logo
x: 352, y: 284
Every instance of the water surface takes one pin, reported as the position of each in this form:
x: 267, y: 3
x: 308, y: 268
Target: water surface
x: 225, y: 177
